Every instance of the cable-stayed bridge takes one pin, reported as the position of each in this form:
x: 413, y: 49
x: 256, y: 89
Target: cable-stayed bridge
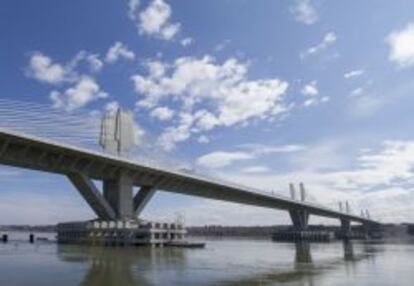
x: 34, y: 138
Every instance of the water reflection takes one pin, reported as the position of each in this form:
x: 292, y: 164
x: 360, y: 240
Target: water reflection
x: 108, y: 270
x: 303, y: 264
x: 348, y: 250
x: 170, y: 266
x: 305, y: 271
x: 303, y: 253
x: 121, y: 266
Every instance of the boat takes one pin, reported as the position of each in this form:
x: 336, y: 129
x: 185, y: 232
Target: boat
x: 186, y: 244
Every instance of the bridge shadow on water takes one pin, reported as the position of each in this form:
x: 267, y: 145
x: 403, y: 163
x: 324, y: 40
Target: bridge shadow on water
x: 170, y: 266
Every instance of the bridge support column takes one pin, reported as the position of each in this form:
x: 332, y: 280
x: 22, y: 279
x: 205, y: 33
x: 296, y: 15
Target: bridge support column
x: 345, y: 231
x: 142, y: 198
x: 300, y: 219
x: 118, y: 193
x: 92, y: 196
x: 117, y: 201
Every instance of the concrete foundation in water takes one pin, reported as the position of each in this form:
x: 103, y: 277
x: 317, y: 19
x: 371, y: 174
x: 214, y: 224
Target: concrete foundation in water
x: 304, y: 235
x: 316, y: 235
x: 121, y: 233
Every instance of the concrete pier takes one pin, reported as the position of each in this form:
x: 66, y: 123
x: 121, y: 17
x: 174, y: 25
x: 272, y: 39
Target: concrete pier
x: 118, y: 193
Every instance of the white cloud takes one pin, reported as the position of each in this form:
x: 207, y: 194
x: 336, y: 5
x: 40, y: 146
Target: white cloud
x: 380, y: 181
x: 77, y: 72
x: 318, y: 188
x: 327, y: 154
x: 85, y: 91
x: 221, y: 159
x: 76, y: 65
x: 315, y: 101
x: 112, y: 107
x: 162, y: 113
x: 353, y: 74
x: 42, y: 68
x: 156, y: 69
x: 364, y: 105
x: 222, y: 45
x: 311, y: 89
x: 210, y: 94
x: 357, y: 91
x: 390, y: 166
x: 203, y: 139
x: 95, y: 63
x: 401, y: 45
x: 155, y: 21
x: 305, y: 12
x: 328, y: 40
x: 255, y: 169
x: 179, y: 133
x: 119, y: 51
x: 139, y: 133
x: 263, y: 149
x: 133, y: 7
x: 186, y: 42
x: 205, y: 120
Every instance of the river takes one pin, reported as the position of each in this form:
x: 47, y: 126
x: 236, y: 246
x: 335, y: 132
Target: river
x: 222, y: 262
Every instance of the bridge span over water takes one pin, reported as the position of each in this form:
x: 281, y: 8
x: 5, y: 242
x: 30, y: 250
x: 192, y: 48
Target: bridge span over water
x: 119, y: 176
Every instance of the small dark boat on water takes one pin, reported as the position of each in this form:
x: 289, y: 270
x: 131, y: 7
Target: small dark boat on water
x: 186, y: 244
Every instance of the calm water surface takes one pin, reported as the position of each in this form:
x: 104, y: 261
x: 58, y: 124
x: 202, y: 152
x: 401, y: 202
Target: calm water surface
x: 222, y: 262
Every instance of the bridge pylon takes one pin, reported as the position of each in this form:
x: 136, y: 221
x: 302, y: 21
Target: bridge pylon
x: 345, y: 227
x: 299, y: 217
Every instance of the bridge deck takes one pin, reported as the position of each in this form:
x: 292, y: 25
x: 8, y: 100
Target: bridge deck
x: 25, y: 151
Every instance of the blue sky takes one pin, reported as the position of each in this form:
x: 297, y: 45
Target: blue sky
x: 262, y: 93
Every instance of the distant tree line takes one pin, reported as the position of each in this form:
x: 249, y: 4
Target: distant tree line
x: 33, y: 228
x: 246, y: 231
